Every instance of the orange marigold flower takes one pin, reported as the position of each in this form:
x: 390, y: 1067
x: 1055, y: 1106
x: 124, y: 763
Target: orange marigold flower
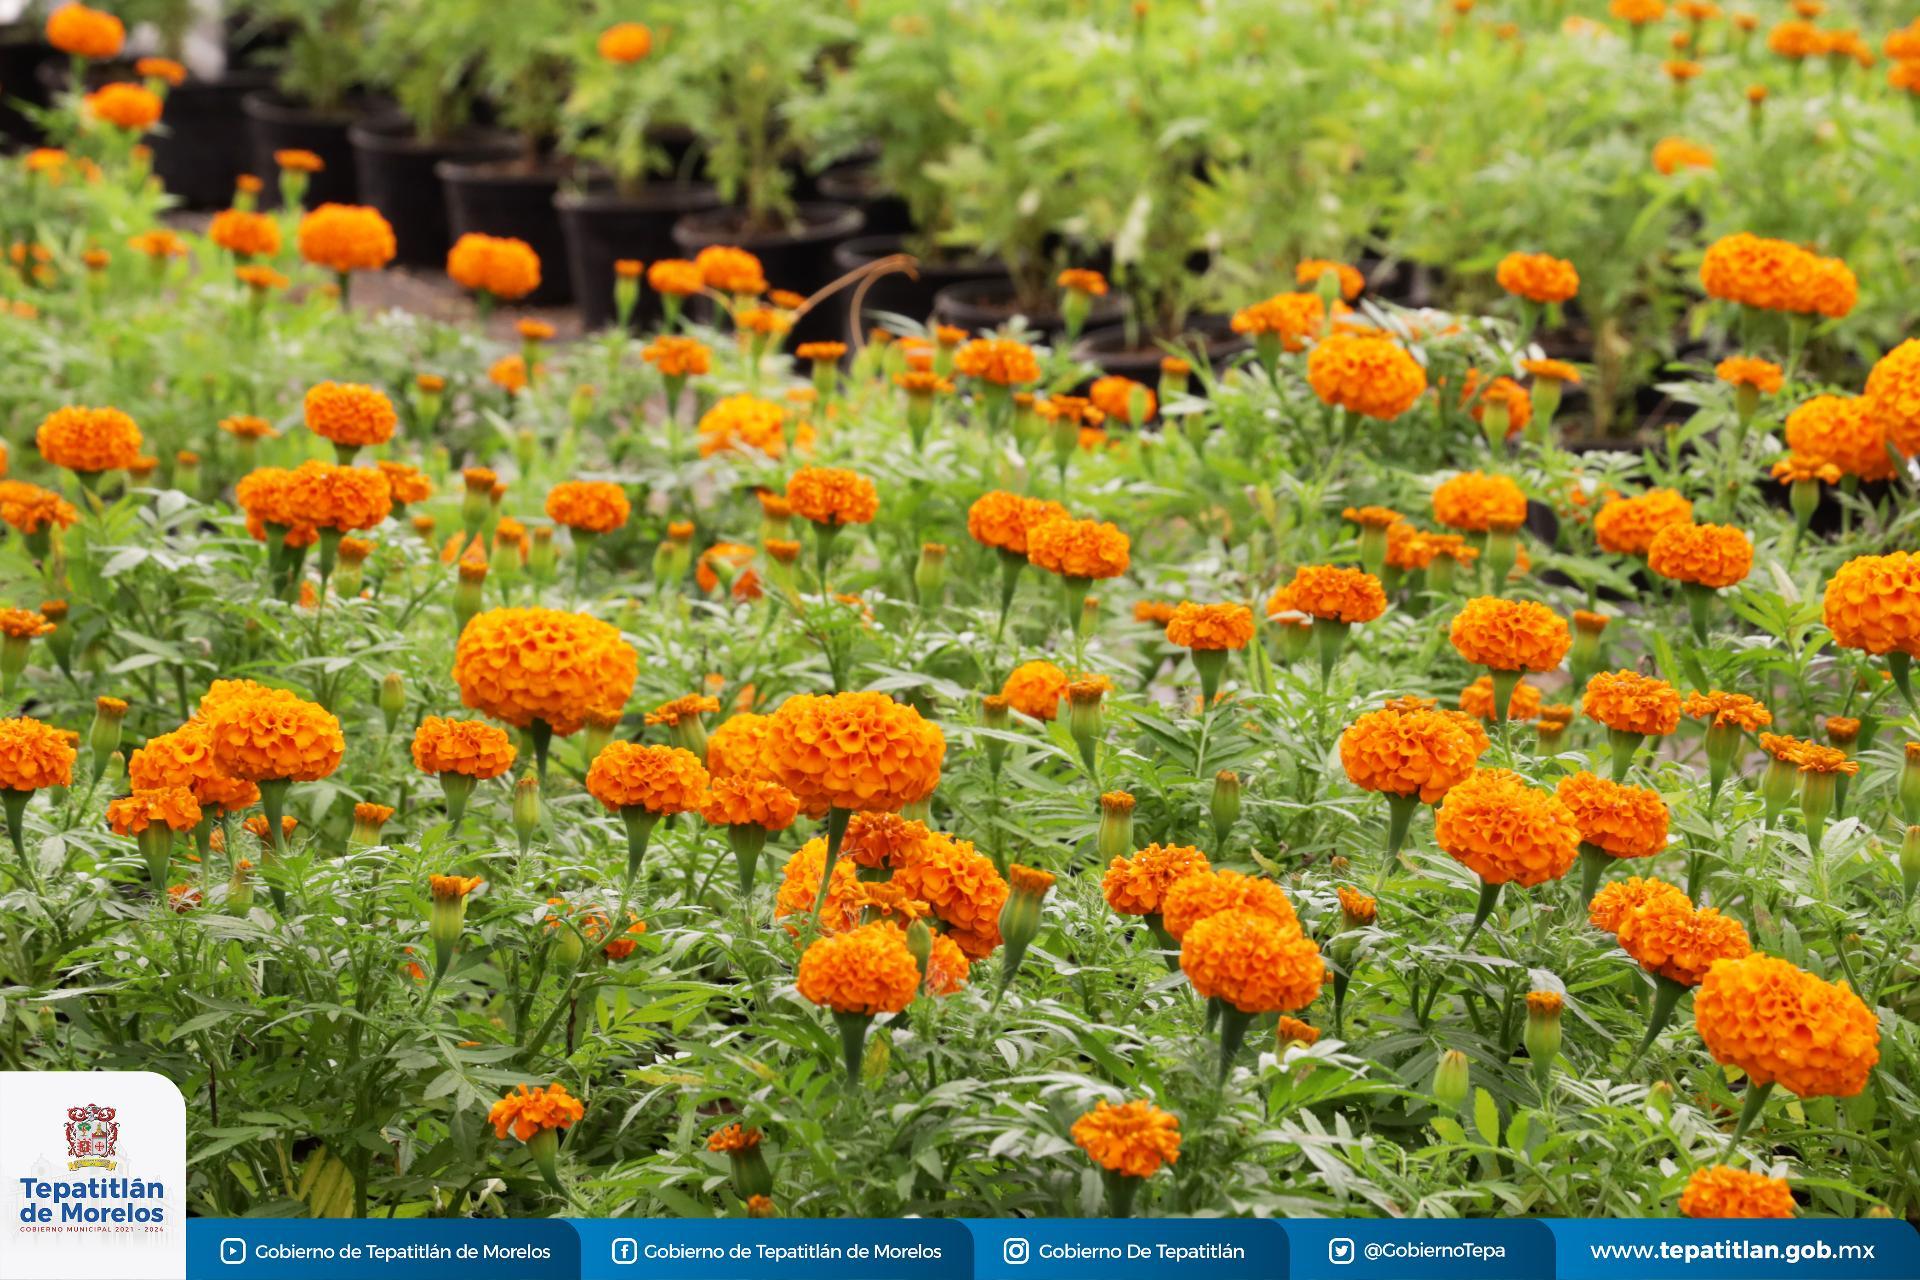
x: 28, y: 624
x: 1134, y: 1139
x: 1632, y: 703
x: 1620, y: 898
x: 1782, y: 1025
x: 1679, y: 942
x: 272, y: 735
x: 534, y: 1111
x: 1330, y: 592
x: 1475, y: 502
x: 1002, y: 520
x: 754, y: 802
x: 1709, y: 555
x: 159, y: 244
x: 1776, y: 275
x: 502, y: 266
x: 1138, y: 885
x: 1811, y: 757
x: 685, y: 357
x: 1477, y: 700
x: 1843, y: 431
x: 865, y: 971
x: 1538, y: 277
x: 800, y: 881
x: 1078, y: 548
x: 962, y: 887
x: 247, y: 427
x: 184, y: 758
x: 1872, y: 603
x: 1366, y: 373
x: 853, y: 751
x: 675, y: 276
x: 733, y: 1138
x: 1004, y: 362
x: 522, y: 665
x: 1721, y: 1191
x: 1670, y: 155
x: 1115, y: 397
x: 689, y: 707
x: 1627, y: 526
x: 85, y: 33
x: 1372, y: 517
x: 625, y: 42
x: 132, y: 107
x: 1409, y: 751
x: 266, y: 495
x: 1502, y: 830
x: 171, y: 807
x: 325, y: 496
x: 1510, y: 635
x: 1502, y: 391
x: 832, y: 496
x: 734, y: 748
x: 1627, y: 822
x: 735, y: 558
x: 628, y: 775
x: 1796, y: 40
x: 1638, y: 12
x: 245, y: 233
x: 407, y: 483
x: 820, y: 352
x: 1295, y: 319
x: 1083, y: 281
x: 1035, y: 689
x: 1252, y: 961
x: 590, y: 506
x: 1193, y: 898
x: 1552, y: 371
x: 34, y: 755
x: 737, y: 423
x: 1211, y: 626
x: 473, y: 748
x: 346, y: 237
x: 1307, y: 276
x: 730, y: 270
x: 88, y: 440
x: 1727, y: 710
x: 350, y: 413
x: 298, y: 160
x: 1893, y: 386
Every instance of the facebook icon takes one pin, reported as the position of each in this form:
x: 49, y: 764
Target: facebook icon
x: 626, y: 1251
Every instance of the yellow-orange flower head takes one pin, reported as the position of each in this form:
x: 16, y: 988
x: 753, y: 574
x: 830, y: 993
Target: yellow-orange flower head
x: 1193, y: 898
x: 1004, y: 362
x: 1408, y: 751
x: 1079, y: 548
x: 85, y: 33
x: 1252, y: 961
x: 346, y: 237
x: 1538, y: 277
x: 749, y: 802
x: 1035, y: 689
x: 244, y: 233
x: 1621, y: 898
x: 1627, y: 822
x: 1842, y: 431
x: 1474, y: 502
x: 1775, y: 275
x: 625, y: 42
x: 1721, y: 1191
x: 853, y: 751
x: 1502, y: 830
x: 325, y: 496
x: 350, y: 413
x: 1133, y: 1140
x: 734, y: 748
x: 590, y: 506
x: 1893, y: 386
x: 1136, y: 886
x: 1763, y: 376
x: 866, y: 971
x: 1679, y: 942
x: 184, y: 758
x: 1510, y: 635
x: 730, y: 270
x: 30, y: 509
x: 1873, y: 604
x: 522, y: 665
x: 1001, y: 520
x: 530, y: 1112
x: 132, y: 107
x: 1782, y: 1025
x: 738, y: 423
x: 1210, y: 626
x: 1365, y: 373
x: 1707, y: 555
x: 170, y: 807
x: 473, y: 748
x: 507, y: 268
x: 1632, y: 703
x: 89, y: 440
x: 1627, y: 526
x: 1332, y: 593
x: 628, y: 775
x: 34, y: 755
x: 962, y: 887
x: 1295, y: 319
x: 832, y: 496
x: 266, y: 735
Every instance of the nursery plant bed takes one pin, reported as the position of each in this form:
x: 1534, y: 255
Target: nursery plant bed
x: 275, y: 123
x: 397, y: 175
x: 601, y: 226
x: 512, y: 198
x: 799, y: 258
x: 980, y: 305
x: 204, y: 145
x: 1122, y: 350
x: 898, y: 293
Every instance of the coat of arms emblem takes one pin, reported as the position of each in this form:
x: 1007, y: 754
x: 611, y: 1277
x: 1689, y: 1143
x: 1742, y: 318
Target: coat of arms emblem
x: 91, y: 1133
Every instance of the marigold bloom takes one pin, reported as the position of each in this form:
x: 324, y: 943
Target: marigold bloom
x: 325, y: 496
x: 1035, y: 689
x: 244, y: 233
x: 730, y: 270
x: 675, y: 277
x: 34, y: 755
x: 346, y: 237
x: 1621, y: 898
x: 832, y: 496
x: 350, y: 413
x: 689, y: 707
x: 1670, y: 155
x: 184, y: 758
x: 1679, y: 942
x: 962, y: 887
x: 27, y: 624
x: 1794, y: 39
x: 1368, y: 374
x: 1331, y: 592
x: 132, y: 107
x: 1627, y: 822
x: 591, y: 506
x: 1078, y: 548
x: 743, y: 422
x: 1724, y: 710
x: 864, y: 971
x: 1502, y: 830
x: 472, y: 748
x: 1408, y: 751
x: 1136, y: 886
x: 1210, y: 626
x: 853, y: 751
x: 1811, y: 757
x: 1475, y: 502
x: 1116, y: 396
x: 502, y: 266
x: 88, y: 440
x: 1538, y: 277
x: 1293, y: 319
x: 1193, y: 898
x: 85, y: 33
x: 1709, y: 555
x: 1081, y: 280
x: 1776, y: 275
x: 1510, y: 635
x: 676, y: 357
x: 1632, y: 703
x: 738, y: 801
x: 1627, y: 526
x: 1004, y: 362
x: 263, y: 735
x: 523, y: 665
x: 298, y: 160
x: 734, y: 748
x: 1307, y: 275
x: 1133, y: 1139
x: 1721, y: 1191
x: 1503, y: 391
x: 171, y: 807
x: 1252, y: 961
x: 1893, y: 386
x: 1780, y: 1024
x: 1637, y: 12
x: 625, y: 42
x: 530, y: 1112
x: 159, y: 244
x: 1002, y: 520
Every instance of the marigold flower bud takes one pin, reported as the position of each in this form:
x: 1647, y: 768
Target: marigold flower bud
x: 930, y: 574
x: 447, y: 916
x: 103, y: 739
x: 1115, y: 839
x: 1452, y: 1080
x: 393, y: 699
x: 526, y: 810
x: 1224, y: 806
x: 1542, y: 1035
x: 1020, y: 917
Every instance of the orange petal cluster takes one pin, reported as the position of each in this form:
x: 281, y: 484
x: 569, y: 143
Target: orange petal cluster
x: 1401, y: 750
x: 591, y: 506
x: 866, y: 970
x: 1627, y: 822
x: 1251, y: 960
x: 1079, y: 548
x: 1681, y: 942
x: 184, y: 758
x: 262, y: 735
x: 1619, y: 899
x: 853, y: 751
x: 89, y: 440
x: 1137, y: 885
x: 1510, y: 635
x: 171, y: 807
x: 1474, y: 502
x: 1330, y: 592
x: 350, y: 413
x: 1627, y: 526
x: 1538, y: 277
x: 1133, y: 1139
x: 346, y: 237
x: 1777, y: 275
x: 1707, y: 555
x: 1193, y: 898
x: 749, y: 802
x: 1842, y: 431
x: 522, y: 665
x: 1365, y: 373
x: 472, y: 748
x: 531, y: 1111
x: 1210, y: 626
x: 662, y: 780
x: 832, y: 496
x: 1632, y: 703
x: 1721, y: 1191
x: 507, y: 268
x: 1503, y: 830
x: 1872, y: 603
x: 1782, y: 1025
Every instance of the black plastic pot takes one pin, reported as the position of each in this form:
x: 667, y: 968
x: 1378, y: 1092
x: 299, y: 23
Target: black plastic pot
x: 274, y: 123
x: 22, y: 51
x: 601, y: 227
x: 800, y: 260
x: 898, y: 293
x: 977, y: 305
x: 511, y: 198
x: 1118, y: 350
x: 202, y: 146
x: 395, y: 170
x: 859, y: 185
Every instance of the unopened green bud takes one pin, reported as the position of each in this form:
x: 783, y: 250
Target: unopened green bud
x: 1020, y: 917
x: 1115, y: 839
x: 930, y: 575
x: 540, y: 553
x: 1452, y: 1080
x: 1225, y: 805
x: 1660, y: 1098
x: 104, y: 736
x: 994, y: 714
x: 1910, y: 860
x: 1542, y: 1035
x: 393, y: 699
x: 526, y: 809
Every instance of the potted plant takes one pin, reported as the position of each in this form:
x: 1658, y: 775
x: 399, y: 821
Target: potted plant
x: 23, y: 48
x: 739, y: 71
x: 314, y: 98
x: 521, y: 65
x: 423, y: 50
x: 615, y: 131
x: 198, y: 151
